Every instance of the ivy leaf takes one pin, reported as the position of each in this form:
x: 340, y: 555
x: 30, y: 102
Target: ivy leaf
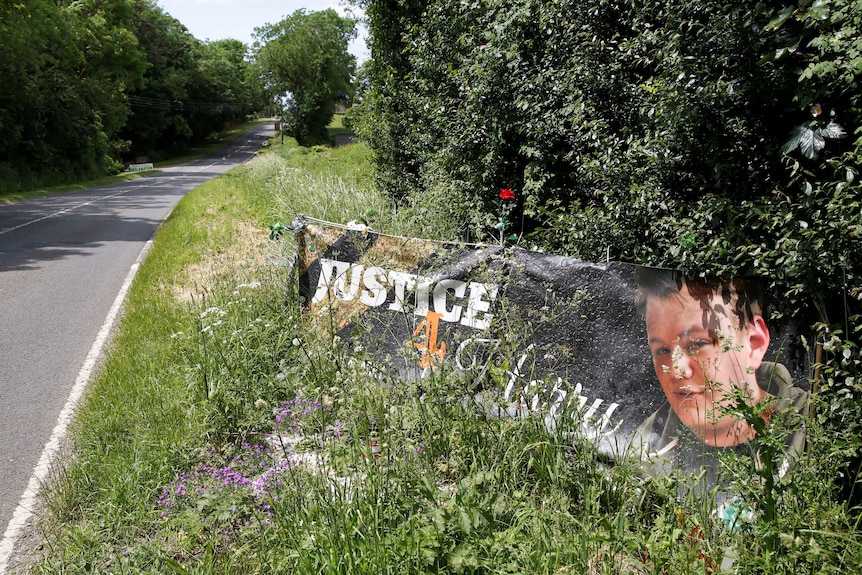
x: 812, y: 143
x: 802, y: 138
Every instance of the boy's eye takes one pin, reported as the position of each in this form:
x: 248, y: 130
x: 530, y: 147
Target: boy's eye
x: 696, y: 344
x: 661, y: 351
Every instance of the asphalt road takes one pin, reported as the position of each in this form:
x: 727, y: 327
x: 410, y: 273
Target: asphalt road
x: 63, y: 261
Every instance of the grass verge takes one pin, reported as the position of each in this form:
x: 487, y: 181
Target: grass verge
x: 219, y: 437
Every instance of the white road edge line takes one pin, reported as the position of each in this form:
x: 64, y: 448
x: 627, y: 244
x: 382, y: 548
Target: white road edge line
x: 27, y: 503
x: 75, y: 207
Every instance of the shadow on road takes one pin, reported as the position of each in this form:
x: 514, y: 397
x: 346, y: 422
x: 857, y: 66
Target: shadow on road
x: 37, y: 231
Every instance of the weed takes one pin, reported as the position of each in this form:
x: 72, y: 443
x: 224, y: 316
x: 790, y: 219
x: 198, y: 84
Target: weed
x: 221, y: 437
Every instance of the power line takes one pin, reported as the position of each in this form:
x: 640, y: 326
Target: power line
x: 159, y: 104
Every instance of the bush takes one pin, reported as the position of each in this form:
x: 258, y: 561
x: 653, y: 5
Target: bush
x: 721, y: 138
x: 678, y: 134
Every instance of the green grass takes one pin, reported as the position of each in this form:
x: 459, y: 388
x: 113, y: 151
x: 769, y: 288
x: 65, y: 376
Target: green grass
x: 173, y: 471
x: 141, y: 422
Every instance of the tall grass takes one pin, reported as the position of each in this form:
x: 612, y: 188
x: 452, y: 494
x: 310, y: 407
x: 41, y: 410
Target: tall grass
x: 221, y: 437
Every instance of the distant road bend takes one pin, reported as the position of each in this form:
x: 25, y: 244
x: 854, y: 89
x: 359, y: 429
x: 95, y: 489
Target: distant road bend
x: 65, y: 263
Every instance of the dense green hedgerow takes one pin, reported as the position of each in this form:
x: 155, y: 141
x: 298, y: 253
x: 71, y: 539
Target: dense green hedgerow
x: 720, y: 138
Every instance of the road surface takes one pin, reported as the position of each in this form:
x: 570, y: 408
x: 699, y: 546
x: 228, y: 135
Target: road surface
x: 64, y: 261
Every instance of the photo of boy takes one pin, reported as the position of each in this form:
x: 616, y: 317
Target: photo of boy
x: 708, y: 339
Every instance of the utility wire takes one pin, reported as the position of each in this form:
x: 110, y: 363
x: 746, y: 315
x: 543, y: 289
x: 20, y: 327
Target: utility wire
x: 158, y: 104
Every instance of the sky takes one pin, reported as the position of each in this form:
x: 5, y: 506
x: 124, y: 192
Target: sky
x: 237, y: 19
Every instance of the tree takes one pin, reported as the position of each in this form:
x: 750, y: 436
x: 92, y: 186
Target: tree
x: 388, y: 116
x: 224, y: 87
x: 718, y: 137
x: 64, y: 67
x: 87, y: 81
x: 157, y: 120
x: 672, y: 133
x: 571, y: 102
x: 304, y: 60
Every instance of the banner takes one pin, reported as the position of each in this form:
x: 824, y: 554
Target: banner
x: 644, y: 360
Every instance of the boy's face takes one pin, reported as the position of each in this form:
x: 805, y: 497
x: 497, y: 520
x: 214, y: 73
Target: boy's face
x: 700, y: 354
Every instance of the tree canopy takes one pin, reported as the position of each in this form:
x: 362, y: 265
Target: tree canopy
x: 190, y: 89
x: 88, y: 84
x: 305, y: 62
x: 721, y: 138
x: 709, y: 136
x: 63, y: 68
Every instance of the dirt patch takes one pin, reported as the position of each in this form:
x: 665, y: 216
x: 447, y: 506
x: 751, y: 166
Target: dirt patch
x: 236, y: 263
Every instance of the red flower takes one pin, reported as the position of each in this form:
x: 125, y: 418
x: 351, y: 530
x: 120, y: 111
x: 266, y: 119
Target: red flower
x: 507, y: 195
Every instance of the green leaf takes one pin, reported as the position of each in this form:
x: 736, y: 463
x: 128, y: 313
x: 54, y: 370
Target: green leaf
x: 463, y: 557
x: 779, y: 20
x: 820, y: 9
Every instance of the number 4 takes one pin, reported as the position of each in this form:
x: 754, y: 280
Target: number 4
x: 432, y: 355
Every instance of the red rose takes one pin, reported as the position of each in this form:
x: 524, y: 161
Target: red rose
x: 507, y: 194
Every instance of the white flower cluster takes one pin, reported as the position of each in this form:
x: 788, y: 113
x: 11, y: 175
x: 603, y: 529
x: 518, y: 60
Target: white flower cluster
x: 212, y: 312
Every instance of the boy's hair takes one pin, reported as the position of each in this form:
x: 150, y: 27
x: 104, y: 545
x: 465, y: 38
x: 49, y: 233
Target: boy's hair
x: 744, y: 294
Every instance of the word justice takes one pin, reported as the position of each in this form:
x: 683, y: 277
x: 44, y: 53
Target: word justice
x: 456, y: 301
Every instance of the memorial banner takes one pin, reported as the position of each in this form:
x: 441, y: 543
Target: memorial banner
x: 639, y: 358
